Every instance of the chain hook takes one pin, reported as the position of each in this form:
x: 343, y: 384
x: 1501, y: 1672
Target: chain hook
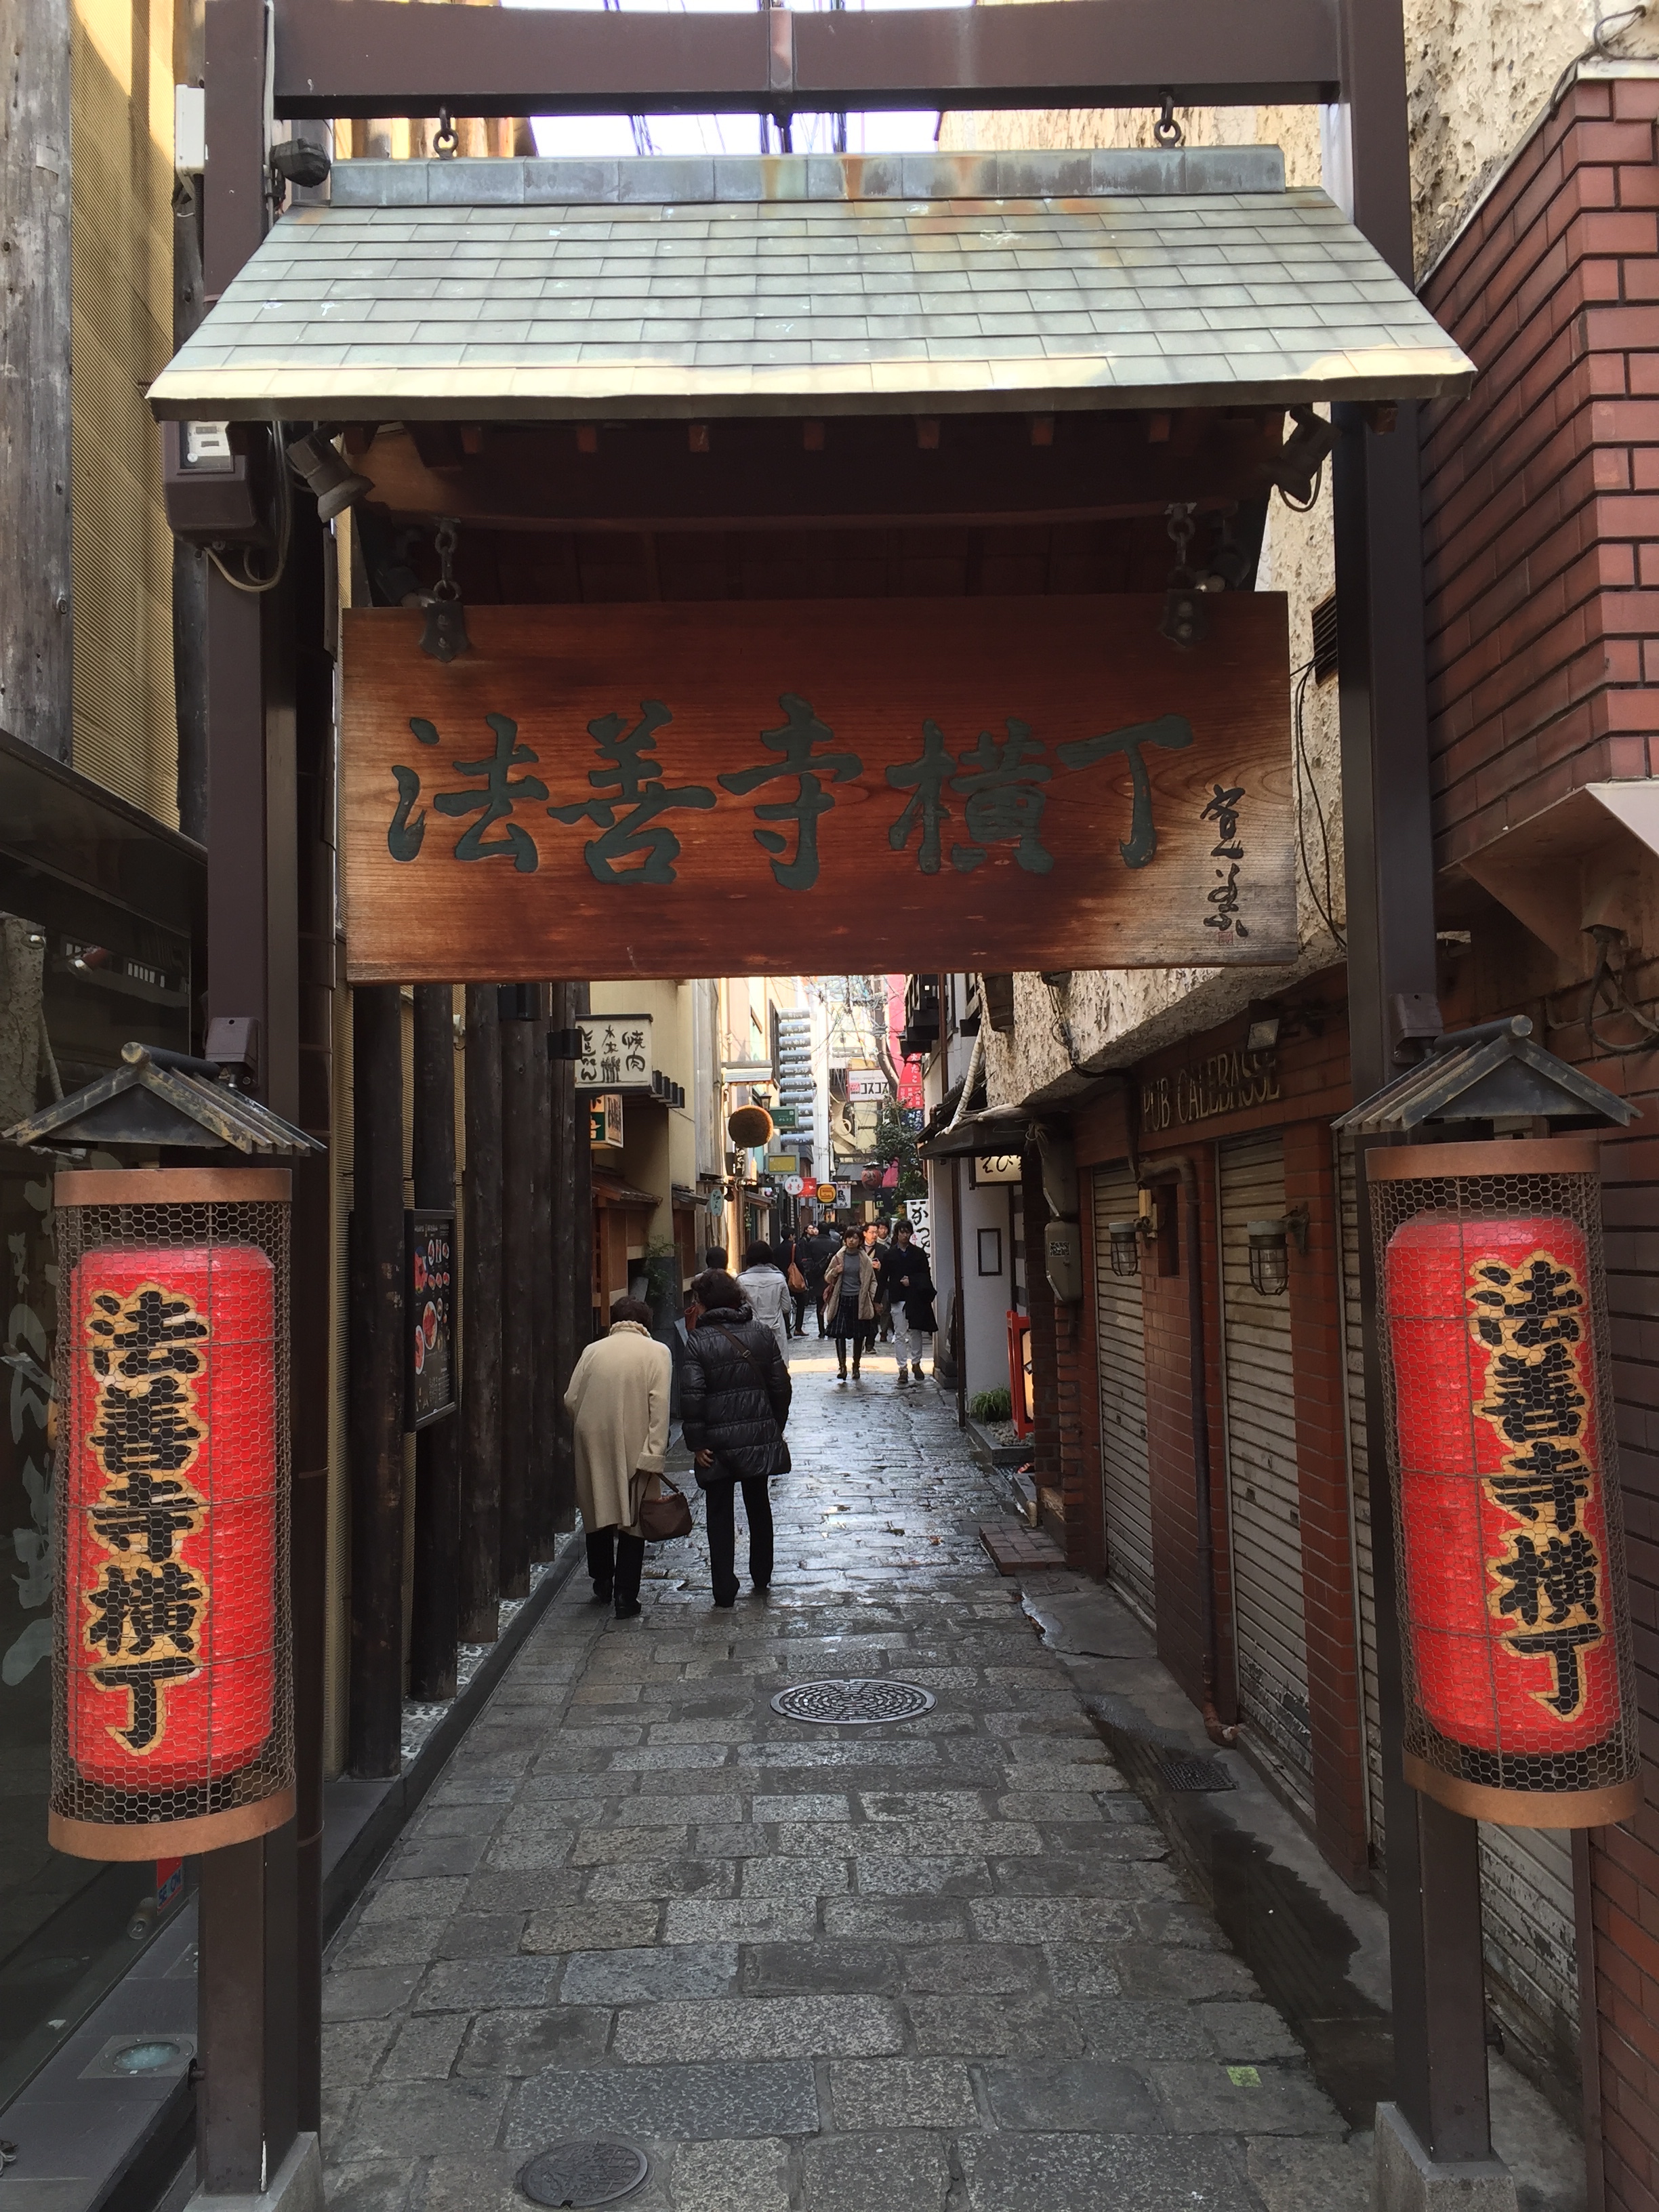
x: 1179, y: 517
x: 444, y: 140
x: 1167, y: 131
x: 447, y: 539
x: 445, y: 633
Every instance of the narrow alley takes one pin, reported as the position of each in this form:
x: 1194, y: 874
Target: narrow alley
x: 938, y: 1962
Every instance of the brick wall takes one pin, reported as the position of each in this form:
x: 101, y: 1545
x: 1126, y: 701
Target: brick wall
x: 1542, y: 486
x: 1542, y: 511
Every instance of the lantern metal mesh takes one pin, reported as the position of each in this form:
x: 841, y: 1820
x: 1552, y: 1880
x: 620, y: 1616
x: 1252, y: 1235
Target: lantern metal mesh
x: 173, y: 1726
x: 1513, y: 1604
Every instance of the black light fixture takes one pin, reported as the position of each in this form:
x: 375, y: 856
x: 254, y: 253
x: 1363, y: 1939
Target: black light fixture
x: 1262, y: 1033
x: 337, y: 486
x: 1270, y: 1243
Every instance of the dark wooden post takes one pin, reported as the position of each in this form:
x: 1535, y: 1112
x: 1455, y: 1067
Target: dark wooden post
x: 582, y: 1211
x: 549, y: 1386
x: 376, y: 1355
x: 522, y: 1040
x: 570, y: 1293
x: 434, y: 1631
x: 481, y: 1323
x: 1434, y: 1876
x: 34, y: 378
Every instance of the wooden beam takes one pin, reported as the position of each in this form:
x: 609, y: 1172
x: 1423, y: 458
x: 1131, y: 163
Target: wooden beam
x: 34, y: 378
x: 521, y: 1039
x: 550, y: 1385
x: 369, y: 58
x: 376, y: 1392
x: 481, y: 1323
x: 570, y: 1289
x: 435, y: 1634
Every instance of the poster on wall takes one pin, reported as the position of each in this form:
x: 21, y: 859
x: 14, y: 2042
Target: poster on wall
x: 430, y: 1311
x: 1022, y: 783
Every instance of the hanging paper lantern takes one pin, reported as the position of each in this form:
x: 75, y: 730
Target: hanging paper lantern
x: 1512, y: 1602
x: 173, y: 1698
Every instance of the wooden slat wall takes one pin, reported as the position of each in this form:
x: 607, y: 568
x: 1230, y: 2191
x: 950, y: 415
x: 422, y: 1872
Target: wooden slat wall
x: 1125, y: 1474
x: 1264, y: 1504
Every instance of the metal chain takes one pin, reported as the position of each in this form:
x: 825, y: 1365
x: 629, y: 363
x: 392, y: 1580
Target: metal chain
x: 1179, y: 515
x: 444, y: 140
x: 447, y: 539
x: 1166, y: 130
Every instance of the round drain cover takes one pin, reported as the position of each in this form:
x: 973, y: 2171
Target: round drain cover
x: 579, y: 2173
x: 859, y: 1703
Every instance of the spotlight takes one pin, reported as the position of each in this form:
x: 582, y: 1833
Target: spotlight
x: 337, y: 487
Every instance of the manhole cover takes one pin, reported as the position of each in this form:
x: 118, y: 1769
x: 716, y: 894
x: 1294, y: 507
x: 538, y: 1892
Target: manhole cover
x: 858, y: 1702
x: 583, y: 2174
x: 1197, y: 1774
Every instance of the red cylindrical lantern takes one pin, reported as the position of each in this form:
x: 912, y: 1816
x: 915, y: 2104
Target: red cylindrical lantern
x: 173, y: 1683
x: 1511, y: 1588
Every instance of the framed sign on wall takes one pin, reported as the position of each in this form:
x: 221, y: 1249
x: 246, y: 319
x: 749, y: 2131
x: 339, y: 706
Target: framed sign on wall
x: 430, y: 1281
x: 977, y: 783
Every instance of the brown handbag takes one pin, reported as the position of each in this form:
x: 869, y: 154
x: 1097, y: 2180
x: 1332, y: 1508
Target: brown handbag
x: 661, y: 1519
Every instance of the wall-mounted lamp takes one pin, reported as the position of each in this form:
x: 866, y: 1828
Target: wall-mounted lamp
x: 1262, y: 1035
x: 1126, y: 1240
x: 337, y: 486
x: 1270, y: 1242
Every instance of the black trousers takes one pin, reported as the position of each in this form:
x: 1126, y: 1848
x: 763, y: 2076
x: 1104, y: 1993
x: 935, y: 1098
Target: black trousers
x: 800, y: 1298
x: 615, y: 1560
x: 720, y: 1501
x: 815, y: 1292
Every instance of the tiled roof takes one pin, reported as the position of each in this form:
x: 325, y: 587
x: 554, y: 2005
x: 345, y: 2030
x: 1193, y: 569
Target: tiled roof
x: 530, y: 289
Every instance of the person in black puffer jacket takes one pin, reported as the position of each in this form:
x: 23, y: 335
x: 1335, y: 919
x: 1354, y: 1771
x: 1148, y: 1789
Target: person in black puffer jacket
x: 734, y: 1402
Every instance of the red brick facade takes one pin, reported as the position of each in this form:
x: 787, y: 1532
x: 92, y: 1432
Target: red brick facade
x: 1541, y: 488
x: 1542, y: 518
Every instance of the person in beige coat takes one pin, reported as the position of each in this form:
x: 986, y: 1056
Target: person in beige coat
x: 849, y: 1298
x: 618, y: 1401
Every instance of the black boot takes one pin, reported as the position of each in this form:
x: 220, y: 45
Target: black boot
x: 841, y: 1363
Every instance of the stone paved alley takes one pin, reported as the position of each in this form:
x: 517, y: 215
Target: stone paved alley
x: 941, y: 1963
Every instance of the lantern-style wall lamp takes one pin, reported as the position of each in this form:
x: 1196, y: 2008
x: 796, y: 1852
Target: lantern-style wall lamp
x: 1126, y: 1238
x: 172, y: 1722
x: 1512, y: 1601
x: 1270, y: 1243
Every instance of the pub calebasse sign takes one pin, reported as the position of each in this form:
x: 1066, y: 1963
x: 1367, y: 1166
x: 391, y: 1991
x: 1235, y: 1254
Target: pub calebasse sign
x: 710, y: 789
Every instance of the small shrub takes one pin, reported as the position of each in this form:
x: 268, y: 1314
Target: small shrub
x: 991, y: 1405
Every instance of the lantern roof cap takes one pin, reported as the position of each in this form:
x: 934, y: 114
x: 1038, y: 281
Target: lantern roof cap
x: 156, y: 1098
x: 1493, y: 1073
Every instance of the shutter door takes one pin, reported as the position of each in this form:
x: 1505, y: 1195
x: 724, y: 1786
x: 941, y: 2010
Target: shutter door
x: 1359, y: 1488
x: 1264, y: 1506
x: 1121, y: 1360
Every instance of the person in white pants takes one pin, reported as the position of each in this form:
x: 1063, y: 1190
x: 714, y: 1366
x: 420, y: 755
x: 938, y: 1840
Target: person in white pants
x: 911, y: 1288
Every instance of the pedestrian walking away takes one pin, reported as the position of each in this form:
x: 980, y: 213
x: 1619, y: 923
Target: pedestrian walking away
x: 618, y: 1403
x: 766, y: 1287
x: 849, y: 1298
x: 734, y: 1403
x: 789, y: 1259
x: 880, y: 1250
x: 812, y: 1255
x: 909, y: 1282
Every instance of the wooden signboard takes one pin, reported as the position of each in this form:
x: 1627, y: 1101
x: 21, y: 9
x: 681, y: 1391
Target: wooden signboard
x: 675, y: 789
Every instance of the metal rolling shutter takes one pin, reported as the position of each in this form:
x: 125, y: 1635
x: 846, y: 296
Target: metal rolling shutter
x: 1525, y: 1874
x: 1360, y: 1489
x: 1121, y: 1361
x: 1265, y: 1507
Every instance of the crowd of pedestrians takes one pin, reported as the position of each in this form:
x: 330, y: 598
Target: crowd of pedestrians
x: 734, y: 1391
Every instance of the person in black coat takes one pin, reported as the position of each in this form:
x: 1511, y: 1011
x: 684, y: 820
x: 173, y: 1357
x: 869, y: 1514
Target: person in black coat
x: 734, y: 1402
x: 910, y: 1284
x: 812, y: 1256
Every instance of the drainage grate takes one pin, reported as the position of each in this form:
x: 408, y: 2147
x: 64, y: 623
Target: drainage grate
x: 859, y: 1703
x: 579, y: 2173
x: 1196, y: 1774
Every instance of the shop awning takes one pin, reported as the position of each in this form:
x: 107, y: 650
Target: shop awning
x: 986, y: 1135
x: 547, y: 290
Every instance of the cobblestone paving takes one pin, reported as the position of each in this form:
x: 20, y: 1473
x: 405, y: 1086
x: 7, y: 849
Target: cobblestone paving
x: 935, y: 1966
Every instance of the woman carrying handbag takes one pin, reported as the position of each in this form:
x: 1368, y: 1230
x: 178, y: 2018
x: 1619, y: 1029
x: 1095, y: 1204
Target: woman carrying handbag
x: 734, y: 1402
